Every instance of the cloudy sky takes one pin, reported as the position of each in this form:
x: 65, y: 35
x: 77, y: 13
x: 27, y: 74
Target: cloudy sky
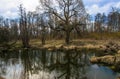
x: 9, y: 8
x: 95, y: 6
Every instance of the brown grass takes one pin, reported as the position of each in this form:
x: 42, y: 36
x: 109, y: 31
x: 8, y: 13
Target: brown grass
x: 90, y: 40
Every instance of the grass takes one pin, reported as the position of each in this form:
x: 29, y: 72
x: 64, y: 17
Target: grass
x: 91, y: 40
x: 103, y: 35
x: 78, y: 43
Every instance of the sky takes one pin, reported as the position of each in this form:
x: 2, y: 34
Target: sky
x: 100, y: 6
x: 9, y: 8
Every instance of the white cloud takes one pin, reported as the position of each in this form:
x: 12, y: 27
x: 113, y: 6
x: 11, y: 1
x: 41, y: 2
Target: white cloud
x: 30, y: 5
x: 89, y: 2
x: 118, y: 4
x: 9, y: 8
x: 95, y: 8
x: 92, y: 1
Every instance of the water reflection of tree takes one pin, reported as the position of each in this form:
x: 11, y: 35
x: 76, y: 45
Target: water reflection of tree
x: 2, y: 64
x: 7, y: 59
x: 66, y: 65
x: 33, y: 62
x: 71, y: 64
x: 26, y: 63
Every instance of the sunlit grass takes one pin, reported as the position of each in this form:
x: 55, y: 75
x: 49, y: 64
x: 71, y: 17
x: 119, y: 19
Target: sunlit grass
x: 78, y: 42
x: 92, y: 40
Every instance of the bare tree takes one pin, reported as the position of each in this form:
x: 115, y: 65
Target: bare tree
x: 98, y: 22
x: 4, y: 30
x: 41, y: 22
x: 24, y: 31
x: 66, y: 14
x: 14, y: 29
x: 32, y: 23
x: 114, y: 20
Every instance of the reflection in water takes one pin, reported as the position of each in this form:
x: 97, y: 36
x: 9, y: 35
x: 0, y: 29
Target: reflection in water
x: 96, y: 72
x: 41, y: 64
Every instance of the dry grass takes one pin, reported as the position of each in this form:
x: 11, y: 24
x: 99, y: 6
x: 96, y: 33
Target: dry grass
x: 103, y: 35
x: 79, y: 43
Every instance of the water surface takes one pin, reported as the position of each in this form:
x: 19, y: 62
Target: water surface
x: 42, y: 64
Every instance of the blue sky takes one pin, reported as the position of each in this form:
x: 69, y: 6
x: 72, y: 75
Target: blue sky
x: 9, y: 8
x: 95, y: 6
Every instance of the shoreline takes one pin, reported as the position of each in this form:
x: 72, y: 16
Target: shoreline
x: 107, y: 50
x: 50, y: 45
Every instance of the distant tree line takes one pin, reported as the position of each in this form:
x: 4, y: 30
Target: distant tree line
x: 66, y: 20
x: 109, y: 23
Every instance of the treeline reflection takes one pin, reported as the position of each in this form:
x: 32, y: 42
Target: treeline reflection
x: 42, y: 64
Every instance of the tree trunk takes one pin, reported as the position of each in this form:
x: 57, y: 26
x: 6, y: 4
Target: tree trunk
x: 25, y: 39
x: 25, y: 42
x: 43, y: 38
x: 43, y: 41
x: 67, y: 38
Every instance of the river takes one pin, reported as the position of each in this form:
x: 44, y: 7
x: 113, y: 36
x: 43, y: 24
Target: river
x: 43, y: 64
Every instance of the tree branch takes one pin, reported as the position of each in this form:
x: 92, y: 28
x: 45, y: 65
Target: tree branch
x: 58, y: 16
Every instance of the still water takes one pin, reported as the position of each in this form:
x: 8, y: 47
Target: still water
x: 42, y: 64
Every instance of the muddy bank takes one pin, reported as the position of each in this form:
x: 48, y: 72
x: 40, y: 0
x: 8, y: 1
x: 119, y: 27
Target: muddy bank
x: 112, y: 58
x: 108, y: 60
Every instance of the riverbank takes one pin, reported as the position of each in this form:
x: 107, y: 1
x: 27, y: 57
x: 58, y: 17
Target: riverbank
x: 102, y: 45
x: 108, y: 51
x: 111, y: 59
x: 78, y: 44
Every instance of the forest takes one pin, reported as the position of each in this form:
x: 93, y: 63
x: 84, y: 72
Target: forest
x: 67, y: 20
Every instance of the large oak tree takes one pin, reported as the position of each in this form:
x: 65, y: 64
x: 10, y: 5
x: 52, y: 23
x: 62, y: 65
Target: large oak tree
x: 65, y: 15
